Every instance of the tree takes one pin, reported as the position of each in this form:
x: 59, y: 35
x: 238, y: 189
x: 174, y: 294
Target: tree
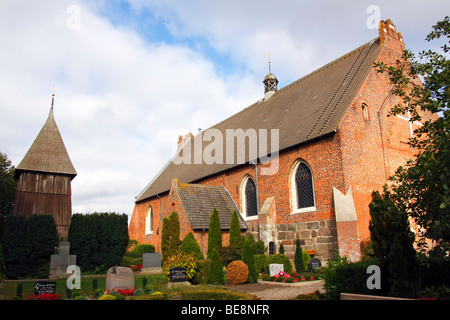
x: 215, y: 272
x: 248, y: 256
x: 214, y: 233
x: 170, y: 238
x: 422, y: 185
x: 8, y: 187
x: 298, y: 258
x: 392, y: 242
x: 235, y: 231
x: 190, y: 245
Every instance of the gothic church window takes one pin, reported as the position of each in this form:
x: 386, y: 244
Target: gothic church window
x: 365, y: 112
x: 149, y: 222
x: 302, y: 188
x: 249, y: 199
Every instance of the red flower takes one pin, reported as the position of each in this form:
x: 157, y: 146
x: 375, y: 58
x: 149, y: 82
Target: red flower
x: 45, y: 296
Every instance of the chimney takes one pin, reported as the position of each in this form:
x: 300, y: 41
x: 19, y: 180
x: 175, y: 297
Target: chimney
x: 388, y: 31
x: 182, y: 141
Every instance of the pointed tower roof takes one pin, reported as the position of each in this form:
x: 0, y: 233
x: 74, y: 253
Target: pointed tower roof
x: 47, y: 153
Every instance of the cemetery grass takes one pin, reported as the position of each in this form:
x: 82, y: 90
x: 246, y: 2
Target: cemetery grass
x: 154, y: 284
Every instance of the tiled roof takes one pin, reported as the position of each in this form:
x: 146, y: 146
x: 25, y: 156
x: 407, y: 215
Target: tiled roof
x: 306, y: 109
x: 199, y: 201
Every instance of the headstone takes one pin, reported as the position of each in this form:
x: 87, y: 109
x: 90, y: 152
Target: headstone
x: 275, y: 268
x: 178, y: 274
x: 119, y: 278
x: 43, y: 287
x: 60, y: 262
x: 314, y: 264
x: 151, y: 260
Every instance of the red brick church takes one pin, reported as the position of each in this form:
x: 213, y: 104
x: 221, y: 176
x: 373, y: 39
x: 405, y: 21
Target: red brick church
x: 335, y: 146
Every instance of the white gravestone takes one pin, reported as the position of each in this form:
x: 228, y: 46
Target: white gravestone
x: 275, y: 268
x: 119, y: 278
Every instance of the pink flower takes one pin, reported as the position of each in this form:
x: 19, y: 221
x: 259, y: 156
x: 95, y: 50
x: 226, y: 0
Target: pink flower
x: 312, y: 278
x: 302, y: 278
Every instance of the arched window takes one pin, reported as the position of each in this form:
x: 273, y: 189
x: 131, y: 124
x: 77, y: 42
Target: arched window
x: 149, y: 222
x: 365, y: 111
x: 302, y: 188
x: 249, y: 198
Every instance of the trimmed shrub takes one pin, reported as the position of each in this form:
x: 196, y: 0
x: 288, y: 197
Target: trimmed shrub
x: 298, y: 259
x: 98, y: 239
x: 214, y: 233
x: 180, y: 259
x: 278, y: 258
x: 260, y: 262
x: 229, y: 254
x: 249, y: 259
x: 215, y: 272
x: 201, y: 272
x: 170, y: 237
x: 190, y: 245
x: 28, y: 243
x: 235, y: 232
x: 237, y: 272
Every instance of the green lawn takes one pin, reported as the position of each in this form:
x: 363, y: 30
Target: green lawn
x: 155, y: 283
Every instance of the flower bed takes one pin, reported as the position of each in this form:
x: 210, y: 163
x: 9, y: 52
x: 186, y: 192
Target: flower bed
x: 287, y: 278
x: 45, y: 296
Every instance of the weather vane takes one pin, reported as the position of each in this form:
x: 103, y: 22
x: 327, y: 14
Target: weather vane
x: 53, y: 95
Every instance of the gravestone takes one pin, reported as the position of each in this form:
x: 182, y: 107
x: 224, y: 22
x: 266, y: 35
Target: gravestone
x: 178, y: 278
x: 119, y: 278
x: 59, y: 262
x: 275, y: 268
x: 178, y: 274
x: 151, y: 260
x: 43, y: 287
x: 314, y: 264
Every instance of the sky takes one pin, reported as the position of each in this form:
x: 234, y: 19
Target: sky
x: 131, y: 76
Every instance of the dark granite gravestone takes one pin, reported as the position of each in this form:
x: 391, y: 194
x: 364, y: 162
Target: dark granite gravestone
x: 314, y: 264
x: 178, y: 274
x: 44, y: 287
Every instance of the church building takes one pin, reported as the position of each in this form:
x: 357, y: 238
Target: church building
x: 45, y: 175
x: 330, y: 144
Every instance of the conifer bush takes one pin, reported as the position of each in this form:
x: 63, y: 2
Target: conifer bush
x: 248, y: 257
x: 235, y: 231
x: 214, y: 233
x: 190, y: 245
x: 215, y: 272
x: 237, y: 272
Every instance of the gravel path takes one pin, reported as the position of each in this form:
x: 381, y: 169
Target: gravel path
x: 277, y: 292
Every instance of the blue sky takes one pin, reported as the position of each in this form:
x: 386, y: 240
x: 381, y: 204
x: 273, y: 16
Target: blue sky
x: 131, y: 76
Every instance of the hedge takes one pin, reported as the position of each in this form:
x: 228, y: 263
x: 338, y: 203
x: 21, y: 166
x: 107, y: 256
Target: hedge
x: 98, y: 239
x: 28, y: 243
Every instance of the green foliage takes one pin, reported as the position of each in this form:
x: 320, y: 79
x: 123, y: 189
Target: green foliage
x: 190, y: 245
x: 229, y: 254
x: 342, y: 276
x: 434, y: 271
x: 214, y: 233
x: 298, y: 258
x: 422, y: 185
x: 215, y: 272
x: 170, y: 238
x: 201, y: 272
x: 98, y: 239
x: 180, y: 259
x: 281, y: 259
x: 392, y: 242
x: 260, y: 262
x: 28, y: 244
x: 258, y: 247
x: 235, y: 231
x: 281, y: 249
x: 8, y: 187
x: 248, y: 257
